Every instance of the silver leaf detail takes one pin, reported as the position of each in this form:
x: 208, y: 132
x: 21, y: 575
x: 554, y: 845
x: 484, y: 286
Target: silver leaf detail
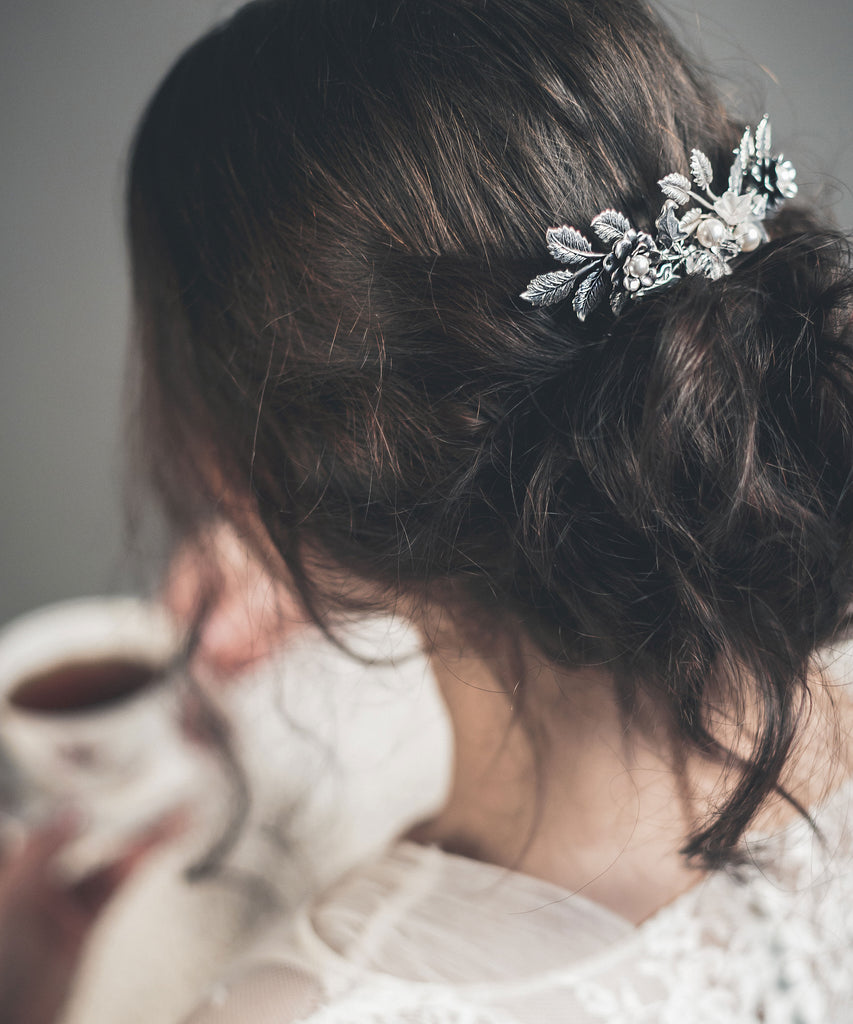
x: 762, y: 139
x: 547, y: 289
x: 676, y: 187
x: 618, y: 300
x: 668, y: 227
x: 610, y: 226
x: 690, y: 221
x: 736, y: 175
x: 590, y: 293
x: 700, y: 166
x: 743, y: 156
x: 568, y: 245
x: 706, y: 264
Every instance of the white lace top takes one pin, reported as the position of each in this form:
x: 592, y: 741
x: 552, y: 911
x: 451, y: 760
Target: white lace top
x: 419, y: 936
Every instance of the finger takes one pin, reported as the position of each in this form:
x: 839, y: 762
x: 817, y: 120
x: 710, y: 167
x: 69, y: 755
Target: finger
x: 96, y: 889
x: 33, y: 857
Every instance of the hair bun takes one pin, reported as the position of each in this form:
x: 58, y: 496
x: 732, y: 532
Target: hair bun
x: 716, y: 422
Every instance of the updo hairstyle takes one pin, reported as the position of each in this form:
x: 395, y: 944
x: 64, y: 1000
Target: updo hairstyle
x: 333, y: 208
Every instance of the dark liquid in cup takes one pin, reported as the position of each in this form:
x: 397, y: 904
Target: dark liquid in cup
x: 81, y: 686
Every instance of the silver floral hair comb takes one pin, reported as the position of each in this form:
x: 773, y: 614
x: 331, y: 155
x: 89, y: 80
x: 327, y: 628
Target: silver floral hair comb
x: 703, y: 240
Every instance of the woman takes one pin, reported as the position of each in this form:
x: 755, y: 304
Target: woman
x: 617, y: 506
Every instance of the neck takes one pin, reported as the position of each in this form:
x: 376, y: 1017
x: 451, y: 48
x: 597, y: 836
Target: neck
x: 564, y: 791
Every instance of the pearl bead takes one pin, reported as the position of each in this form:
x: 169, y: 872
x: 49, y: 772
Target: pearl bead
x: 638, y: 266
x: 711, y: 232
x: 750, y: 238
x: 632, y: 284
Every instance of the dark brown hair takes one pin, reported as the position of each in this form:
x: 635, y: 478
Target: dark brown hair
x: 333, y: 206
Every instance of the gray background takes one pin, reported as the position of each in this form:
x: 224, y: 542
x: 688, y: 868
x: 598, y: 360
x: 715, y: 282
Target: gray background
x: 73, y: 78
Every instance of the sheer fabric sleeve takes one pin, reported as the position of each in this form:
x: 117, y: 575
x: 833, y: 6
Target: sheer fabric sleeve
x: 265, y: 994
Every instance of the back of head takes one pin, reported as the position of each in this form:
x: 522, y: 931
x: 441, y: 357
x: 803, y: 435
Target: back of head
x: 333, y: 208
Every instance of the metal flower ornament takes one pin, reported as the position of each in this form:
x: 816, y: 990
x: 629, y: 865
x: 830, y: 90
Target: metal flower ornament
x: 699, y: 240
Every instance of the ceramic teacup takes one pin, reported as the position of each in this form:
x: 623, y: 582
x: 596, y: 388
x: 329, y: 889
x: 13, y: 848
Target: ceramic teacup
x: 89, y: 718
